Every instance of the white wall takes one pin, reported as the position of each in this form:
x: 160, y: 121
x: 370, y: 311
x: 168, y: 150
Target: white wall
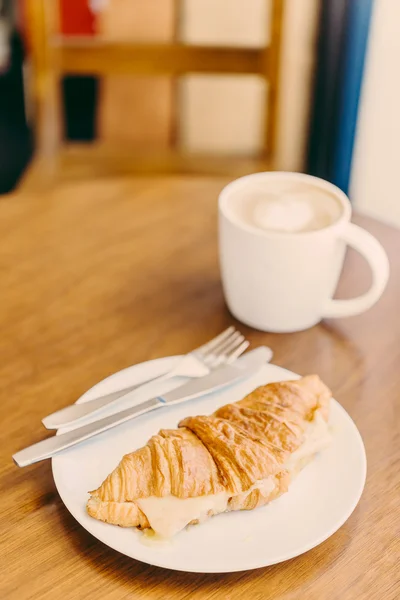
x: 375, y: 187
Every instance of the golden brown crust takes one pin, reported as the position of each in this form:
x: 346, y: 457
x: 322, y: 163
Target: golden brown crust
x: 278, y: 412
x: 241, y: 457
x: 229, y: 451
x: 173, y: 462
x: 259, y: 497
x: 125, y: 514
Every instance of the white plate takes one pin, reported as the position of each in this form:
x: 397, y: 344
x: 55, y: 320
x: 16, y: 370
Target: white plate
x: 319, y: 501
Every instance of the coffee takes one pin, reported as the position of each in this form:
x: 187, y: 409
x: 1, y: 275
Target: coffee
x: 282, y: 243
x: 285, y: 207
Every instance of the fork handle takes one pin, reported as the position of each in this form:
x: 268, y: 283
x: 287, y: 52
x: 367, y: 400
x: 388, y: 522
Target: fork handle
x: 74, y: 413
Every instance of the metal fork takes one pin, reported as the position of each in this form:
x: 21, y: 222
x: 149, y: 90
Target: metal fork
x: 218, y: 379
x: 223, y: 349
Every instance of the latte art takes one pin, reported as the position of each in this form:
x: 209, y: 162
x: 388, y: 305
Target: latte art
x: 283, y: 214
x: 288, y: 209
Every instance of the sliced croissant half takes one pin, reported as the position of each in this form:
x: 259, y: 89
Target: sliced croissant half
x: 239, y: 458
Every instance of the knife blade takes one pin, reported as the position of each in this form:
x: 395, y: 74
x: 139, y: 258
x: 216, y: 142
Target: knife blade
x: 220, y: 378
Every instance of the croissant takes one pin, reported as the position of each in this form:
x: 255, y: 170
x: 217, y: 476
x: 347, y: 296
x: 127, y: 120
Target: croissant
x: 239, y: 458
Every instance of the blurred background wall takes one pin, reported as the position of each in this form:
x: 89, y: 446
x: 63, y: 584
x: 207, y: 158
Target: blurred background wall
x: 218, y: 114
x: 376, y: 160
x: 339, y: 94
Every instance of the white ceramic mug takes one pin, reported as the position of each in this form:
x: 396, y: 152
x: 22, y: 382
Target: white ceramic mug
x: 281, y: 282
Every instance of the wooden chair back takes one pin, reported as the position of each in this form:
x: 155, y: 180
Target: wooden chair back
x: 54, y: 56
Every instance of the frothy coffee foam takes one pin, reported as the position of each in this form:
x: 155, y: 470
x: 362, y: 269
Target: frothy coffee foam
x: 286, y: 207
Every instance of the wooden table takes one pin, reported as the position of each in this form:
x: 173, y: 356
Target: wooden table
x: 99, y: 275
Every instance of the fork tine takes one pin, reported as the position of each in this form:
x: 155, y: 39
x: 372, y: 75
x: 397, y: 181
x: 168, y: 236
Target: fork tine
x: 211, y: 344
x: 217, y: 358
x: 210, y: 355
x: 238, y: 352
x: 232, y: 342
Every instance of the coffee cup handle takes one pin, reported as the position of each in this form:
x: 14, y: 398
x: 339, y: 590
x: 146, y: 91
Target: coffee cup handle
x: 373, y: 252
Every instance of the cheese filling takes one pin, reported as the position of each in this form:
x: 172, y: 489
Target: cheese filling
x: 169, y: 515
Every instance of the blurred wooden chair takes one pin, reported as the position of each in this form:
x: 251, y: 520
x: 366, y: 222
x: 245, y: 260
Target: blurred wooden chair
x: 54, y: 56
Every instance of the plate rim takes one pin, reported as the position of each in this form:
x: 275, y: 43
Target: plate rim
x: 282, y: 558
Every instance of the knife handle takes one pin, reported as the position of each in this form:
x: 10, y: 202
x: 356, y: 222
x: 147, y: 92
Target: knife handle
x: 47, y: 448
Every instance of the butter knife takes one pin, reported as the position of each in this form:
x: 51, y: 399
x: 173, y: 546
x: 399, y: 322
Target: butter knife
x: 76, y: 414
x: 248, y: 365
